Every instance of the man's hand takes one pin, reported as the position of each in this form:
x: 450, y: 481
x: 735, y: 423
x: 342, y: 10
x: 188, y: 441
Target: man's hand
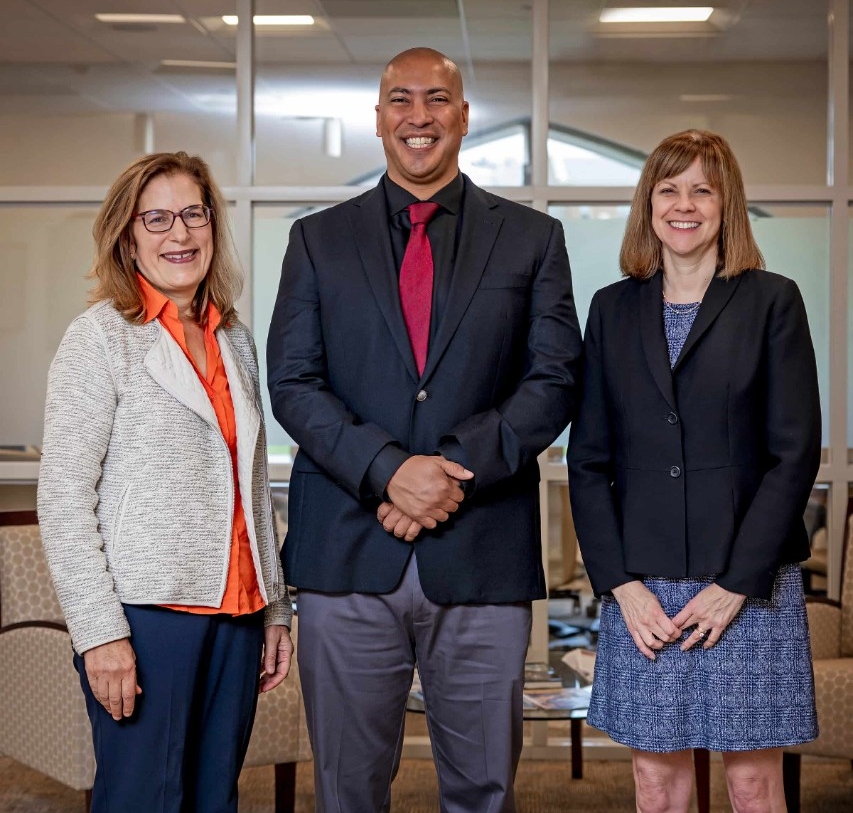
x: 426, y: 489
x: 111, y: 670
x: 278, y: 653
x: 396, y: 522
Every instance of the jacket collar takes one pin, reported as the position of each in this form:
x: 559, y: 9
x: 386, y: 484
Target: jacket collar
x: 167, y: 364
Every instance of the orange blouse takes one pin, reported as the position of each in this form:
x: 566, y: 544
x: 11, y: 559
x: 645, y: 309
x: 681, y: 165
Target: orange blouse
x: 242, y: 594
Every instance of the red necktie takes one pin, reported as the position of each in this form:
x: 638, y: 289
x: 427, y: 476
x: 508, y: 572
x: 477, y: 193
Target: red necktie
x: 416, y: 275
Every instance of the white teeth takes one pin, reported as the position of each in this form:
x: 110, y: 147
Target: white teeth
x: 420, y: 141
x: 682, y: 224
x: 180, y: 255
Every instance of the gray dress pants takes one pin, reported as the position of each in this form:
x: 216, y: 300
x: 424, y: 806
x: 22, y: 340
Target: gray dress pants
x: 356, y: 656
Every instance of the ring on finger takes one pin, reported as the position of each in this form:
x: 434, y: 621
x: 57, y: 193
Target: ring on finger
x: 703, y: 634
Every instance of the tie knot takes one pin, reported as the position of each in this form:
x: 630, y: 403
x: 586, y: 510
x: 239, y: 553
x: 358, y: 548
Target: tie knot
x: 422, y: 212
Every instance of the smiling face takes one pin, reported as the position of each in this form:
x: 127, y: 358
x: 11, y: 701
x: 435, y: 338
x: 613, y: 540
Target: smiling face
x: 687, y: 217
x: 421, y: 118
x: 175, y: 261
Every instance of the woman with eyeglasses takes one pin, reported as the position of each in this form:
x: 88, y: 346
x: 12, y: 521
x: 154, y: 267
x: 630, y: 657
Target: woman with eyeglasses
x: 154, y: 502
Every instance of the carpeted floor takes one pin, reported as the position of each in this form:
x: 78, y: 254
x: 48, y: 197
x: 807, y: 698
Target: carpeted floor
x: 542, y: 787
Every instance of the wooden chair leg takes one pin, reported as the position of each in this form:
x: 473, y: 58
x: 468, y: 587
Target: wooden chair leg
x: 702, y: 767
x: 88, y: 799
x: 285, y: 787
x: 791, y: 780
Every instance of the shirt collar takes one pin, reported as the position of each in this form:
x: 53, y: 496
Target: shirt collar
x: 448, y: 197
x: 158, y: 304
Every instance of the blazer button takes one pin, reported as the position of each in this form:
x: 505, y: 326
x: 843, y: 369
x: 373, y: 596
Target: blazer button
x: 672, y: 418
x: 421, y: 396
x: 675, y: 472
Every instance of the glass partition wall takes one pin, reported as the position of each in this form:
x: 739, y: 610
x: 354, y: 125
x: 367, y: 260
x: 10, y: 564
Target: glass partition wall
x: 563, y: 111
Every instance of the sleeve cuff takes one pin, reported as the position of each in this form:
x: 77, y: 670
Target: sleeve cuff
x: 382, y: 469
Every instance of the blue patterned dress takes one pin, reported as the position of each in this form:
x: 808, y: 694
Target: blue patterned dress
x: 753, y: 689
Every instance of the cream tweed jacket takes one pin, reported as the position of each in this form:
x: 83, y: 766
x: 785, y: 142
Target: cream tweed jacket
x: 136, y: 487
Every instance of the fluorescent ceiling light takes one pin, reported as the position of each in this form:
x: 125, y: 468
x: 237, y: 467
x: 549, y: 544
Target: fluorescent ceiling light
x: 197, y: 63
x: 140, y: 18
x: 266, y: 19
x: 674, y: 14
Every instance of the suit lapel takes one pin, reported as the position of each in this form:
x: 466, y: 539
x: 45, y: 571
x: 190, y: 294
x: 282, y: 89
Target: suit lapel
x: 652, y: 335
x: 481, y: 224
x: 718, y: 294
x: 368, y: 218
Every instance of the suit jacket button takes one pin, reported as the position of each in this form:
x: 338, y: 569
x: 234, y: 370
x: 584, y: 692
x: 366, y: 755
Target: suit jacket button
x: 421, y: 396
x: 672, y: 418
x: 675, y: 472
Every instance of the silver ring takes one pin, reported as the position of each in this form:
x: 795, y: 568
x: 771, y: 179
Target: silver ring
x: 703, y: 634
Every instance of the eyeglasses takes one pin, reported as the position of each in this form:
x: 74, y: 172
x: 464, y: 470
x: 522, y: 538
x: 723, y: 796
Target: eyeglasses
x: 159, y: 220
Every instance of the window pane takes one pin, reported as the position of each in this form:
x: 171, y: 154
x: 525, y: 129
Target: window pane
x: 45, y: 252
x: 795, y: 242
x: 270, y: 233
x: 593, y: 237
x: 758, y: 77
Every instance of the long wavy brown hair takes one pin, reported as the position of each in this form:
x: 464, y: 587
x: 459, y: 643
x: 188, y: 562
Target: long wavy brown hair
x: 737, y: 251
x: 114, y: 269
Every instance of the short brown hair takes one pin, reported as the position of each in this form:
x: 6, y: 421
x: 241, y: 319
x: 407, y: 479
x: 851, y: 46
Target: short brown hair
x: 114, y: 269
x: 737, y: 251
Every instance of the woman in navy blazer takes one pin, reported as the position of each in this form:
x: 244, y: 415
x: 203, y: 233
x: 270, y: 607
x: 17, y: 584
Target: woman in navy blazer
x: 690, y: 464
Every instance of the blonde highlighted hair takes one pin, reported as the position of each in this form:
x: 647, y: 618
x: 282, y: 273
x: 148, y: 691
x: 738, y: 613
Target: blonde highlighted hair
x: 114, y: 269
x: 737, y: 251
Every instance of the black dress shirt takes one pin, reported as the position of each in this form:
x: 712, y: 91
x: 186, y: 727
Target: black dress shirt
x: 443, y: 231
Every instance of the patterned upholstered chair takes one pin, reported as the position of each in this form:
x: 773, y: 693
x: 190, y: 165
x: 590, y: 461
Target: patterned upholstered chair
x: 831, y: 628
x: 43, y: 722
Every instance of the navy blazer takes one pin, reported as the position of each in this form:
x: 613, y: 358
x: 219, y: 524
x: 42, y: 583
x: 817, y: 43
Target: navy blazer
x: 705, y: 468
x: 499, y: 385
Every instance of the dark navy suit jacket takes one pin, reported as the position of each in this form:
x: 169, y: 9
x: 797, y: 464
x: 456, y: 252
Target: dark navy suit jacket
x: 500, y: 384
x: 704, y: 468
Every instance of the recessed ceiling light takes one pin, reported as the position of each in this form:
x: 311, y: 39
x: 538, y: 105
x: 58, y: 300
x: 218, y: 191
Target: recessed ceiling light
x: 273, y: 19
x: 140, y: 18
x: 673, y: 14
x: 197, y: 63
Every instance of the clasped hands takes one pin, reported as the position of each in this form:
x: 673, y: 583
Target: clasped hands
x: 424, y: 491
x: 710, y: 611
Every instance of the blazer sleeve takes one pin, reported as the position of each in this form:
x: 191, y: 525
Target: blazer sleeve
x: 78, y: 421
x: 301, y: 397
x: 592, y: 470
x: 792, y: 448
x: 500, y: 442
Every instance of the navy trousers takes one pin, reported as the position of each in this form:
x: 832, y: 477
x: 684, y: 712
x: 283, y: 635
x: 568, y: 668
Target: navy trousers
x: 183, y: 748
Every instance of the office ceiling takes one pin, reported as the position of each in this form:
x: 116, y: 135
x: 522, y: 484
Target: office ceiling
x: 56, y: 57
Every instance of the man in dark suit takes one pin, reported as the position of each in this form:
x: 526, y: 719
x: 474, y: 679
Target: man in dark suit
x: 423, y: 351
